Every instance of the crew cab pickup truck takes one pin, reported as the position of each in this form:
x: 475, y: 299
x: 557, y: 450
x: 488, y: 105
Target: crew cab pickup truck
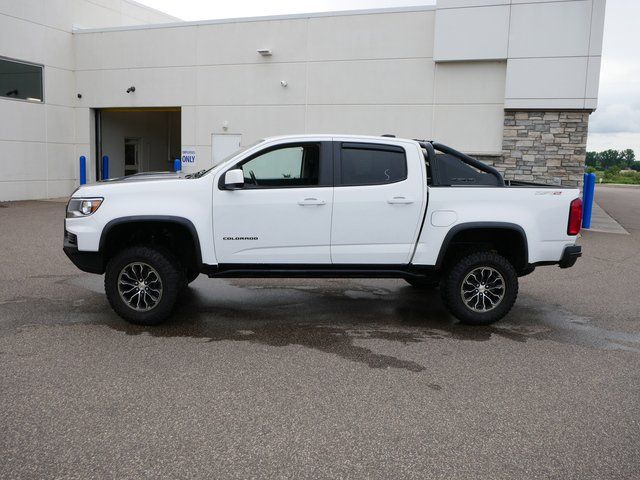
x: 324, y: 206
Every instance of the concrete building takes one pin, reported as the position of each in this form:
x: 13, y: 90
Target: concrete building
x: 511, y: 81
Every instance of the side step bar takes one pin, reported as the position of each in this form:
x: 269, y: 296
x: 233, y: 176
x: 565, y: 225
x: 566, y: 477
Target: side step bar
x: 315, y: 271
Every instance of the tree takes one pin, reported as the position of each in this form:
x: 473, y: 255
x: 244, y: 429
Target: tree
x: 609, y: 158
x: 612, y: 159
x: 592, y: 159
x: 629, y: 157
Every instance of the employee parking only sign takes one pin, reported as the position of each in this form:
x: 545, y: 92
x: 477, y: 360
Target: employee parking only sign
x: 188, y: 157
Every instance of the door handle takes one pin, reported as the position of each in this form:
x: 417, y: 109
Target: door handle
x: 311, y: 201
x: 399, y: 201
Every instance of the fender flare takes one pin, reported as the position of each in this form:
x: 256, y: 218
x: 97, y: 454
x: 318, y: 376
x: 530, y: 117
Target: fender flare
x: 461, y: 227
x: 184, y: 222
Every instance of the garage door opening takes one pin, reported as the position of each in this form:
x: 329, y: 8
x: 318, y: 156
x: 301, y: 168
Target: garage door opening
x: 137, y: 139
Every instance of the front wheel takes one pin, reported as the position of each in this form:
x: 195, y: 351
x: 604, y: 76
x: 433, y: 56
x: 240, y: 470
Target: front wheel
x: 480, y: 288
x: 142, y: 284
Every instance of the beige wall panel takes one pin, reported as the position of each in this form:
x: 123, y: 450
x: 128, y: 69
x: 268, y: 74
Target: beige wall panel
x: 188, y: 125
x: 21, y: 40
x: 59, y: 87
x: 83, y: 125
x: 550, y: 29
x: 470, y: 82
x: 470, y: 128
x: 22, y: 121
x: 60, y: 188
x: 545, y: 103
x: 391, y: 35
x: 23, y: 190
x: 252, y: 122
x: 597, y: 27
x: 158, y: 47
x: 61, y: 124
x: 62, y: 164
x: 546, y: 78
x: 231, y: 43
x: 251, y: 84
x: 403, y: 121
x: 371, y: 82
x: 476, y: 33
x: 27, y: 160
x: 593, y: 77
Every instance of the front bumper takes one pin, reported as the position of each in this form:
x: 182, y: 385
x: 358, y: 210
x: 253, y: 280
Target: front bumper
x: 570, y: 256
x: 91, y: 262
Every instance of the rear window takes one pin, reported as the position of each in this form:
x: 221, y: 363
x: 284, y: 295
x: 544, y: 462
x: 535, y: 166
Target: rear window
x: 363, y: 164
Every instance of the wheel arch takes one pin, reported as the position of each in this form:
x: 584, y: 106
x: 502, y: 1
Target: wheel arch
x: 129, y: 224
x: 517, y: 253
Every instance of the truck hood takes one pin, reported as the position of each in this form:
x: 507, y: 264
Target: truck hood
x: 134, y: 182
x: 143, y: 177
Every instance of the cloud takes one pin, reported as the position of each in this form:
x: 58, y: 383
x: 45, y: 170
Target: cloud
x: 598, y: 142
x: 616, y: 118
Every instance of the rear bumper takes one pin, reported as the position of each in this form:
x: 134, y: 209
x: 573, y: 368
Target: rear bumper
x: 570, y: 256
x: 91, y: 262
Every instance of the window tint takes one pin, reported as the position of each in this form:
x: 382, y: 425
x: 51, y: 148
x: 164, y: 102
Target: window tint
x: 20, y: 80
x: 373, y: 165
x: 289, y: 166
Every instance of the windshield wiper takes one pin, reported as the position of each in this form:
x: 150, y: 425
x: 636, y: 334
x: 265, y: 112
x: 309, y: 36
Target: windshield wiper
x: 196, y: 175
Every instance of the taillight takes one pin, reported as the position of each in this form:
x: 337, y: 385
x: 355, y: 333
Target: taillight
x: 575, y: 217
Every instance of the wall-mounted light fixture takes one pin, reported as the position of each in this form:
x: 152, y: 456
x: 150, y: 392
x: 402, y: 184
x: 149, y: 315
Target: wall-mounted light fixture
x: 265, y: 52
x: 131, y: 89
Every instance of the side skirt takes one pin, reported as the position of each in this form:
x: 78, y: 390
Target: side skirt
x: 317, y: 271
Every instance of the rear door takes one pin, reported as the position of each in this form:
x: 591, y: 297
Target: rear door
x: 283, y: 213
x: 378, y: 201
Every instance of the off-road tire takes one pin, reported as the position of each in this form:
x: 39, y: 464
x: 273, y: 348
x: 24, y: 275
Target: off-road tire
x: 451, y: 284
x: 169, y: 271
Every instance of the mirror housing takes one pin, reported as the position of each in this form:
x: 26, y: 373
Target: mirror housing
x: 234, y: 179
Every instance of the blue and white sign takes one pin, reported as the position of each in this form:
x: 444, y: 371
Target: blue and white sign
x: 188, y: 157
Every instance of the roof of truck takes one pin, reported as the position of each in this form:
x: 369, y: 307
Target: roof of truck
x: 324, y: 136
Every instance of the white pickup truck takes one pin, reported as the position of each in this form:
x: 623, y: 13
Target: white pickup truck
x: 324, y: 206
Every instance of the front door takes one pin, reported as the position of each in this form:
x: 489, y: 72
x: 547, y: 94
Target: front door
x: 283, y: 212
x: 377, y: 204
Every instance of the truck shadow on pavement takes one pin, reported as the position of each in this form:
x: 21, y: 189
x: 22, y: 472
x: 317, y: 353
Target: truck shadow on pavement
x: 340, y: 318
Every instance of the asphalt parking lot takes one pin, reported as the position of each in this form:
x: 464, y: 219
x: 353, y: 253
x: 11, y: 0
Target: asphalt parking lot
x: 319, y: 378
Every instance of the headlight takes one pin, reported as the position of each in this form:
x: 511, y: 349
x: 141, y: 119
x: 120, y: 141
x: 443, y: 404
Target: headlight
x: 82, y: 207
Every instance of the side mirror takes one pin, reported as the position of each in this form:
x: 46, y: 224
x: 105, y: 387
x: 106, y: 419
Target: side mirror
x: 234, y: 179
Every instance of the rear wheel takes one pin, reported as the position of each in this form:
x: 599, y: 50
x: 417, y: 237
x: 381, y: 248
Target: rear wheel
x: 142, y: 284
x: 480, y: 288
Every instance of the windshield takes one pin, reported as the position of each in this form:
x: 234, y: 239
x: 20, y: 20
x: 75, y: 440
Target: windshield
x: 228, y: 157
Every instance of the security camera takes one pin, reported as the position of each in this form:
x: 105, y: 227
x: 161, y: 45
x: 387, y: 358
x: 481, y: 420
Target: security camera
x: 284, y: 83
x: 131, y: 89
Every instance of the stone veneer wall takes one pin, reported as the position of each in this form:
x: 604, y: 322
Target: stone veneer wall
x: 543, y: 146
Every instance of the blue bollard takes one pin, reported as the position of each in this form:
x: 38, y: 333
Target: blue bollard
x: 589, y: 189
x: 83, y: 170
x: 177, y: 165
x: 105, y: 167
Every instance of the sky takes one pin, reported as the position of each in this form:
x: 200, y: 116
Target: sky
x: 616, y: 122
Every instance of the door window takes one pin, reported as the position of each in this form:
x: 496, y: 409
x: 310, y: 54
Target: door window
x: 371, y: 164
x: 289, y: 166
